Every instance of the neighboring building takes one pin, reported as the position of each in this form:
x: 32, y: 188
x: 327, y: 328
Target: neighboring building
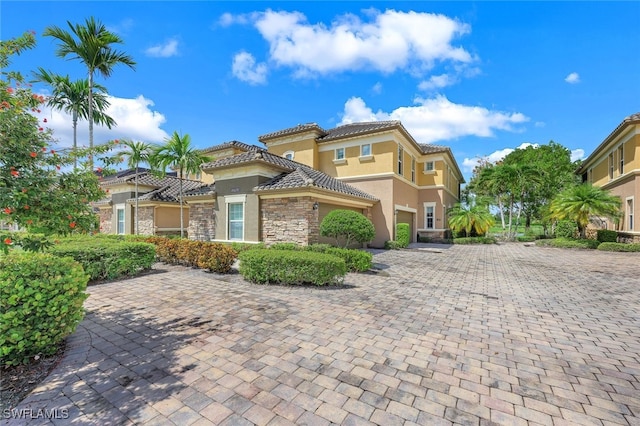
x: 615, y: 166
x: 159, y: 209
x: 282, y: 193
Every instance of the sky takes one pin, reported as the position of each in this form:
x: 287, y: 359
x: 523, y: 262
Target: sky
x: 482, y: 78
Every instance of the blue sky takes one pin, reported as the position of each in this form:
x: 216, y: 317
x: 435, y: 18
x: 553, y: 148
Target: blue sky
x: 482, y: 77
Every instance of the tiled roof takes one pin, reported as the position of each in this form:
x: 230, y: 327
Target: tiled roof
x: 292, y: 130
x: 356, y: 129
x: 203, y: 190
x: 428, y: 148
x: 230, y: 144
x: 170, y: 191
x: 258, y: 155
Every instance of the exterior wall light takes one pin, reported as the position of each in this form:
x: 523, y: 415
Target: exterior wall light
x: 315, y: 205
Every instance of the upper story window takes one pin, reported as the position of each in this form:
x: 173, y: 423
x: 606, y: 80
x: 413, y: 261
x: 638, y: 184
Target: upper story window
x: 339, y: 154
x: 590, y: 175
x: 365, y: 150
x: 288, y: 155
x: 630, y: 214
x: 428, y: 166
x: 400, y: 159
x: 621, y: 158
x: 413, y: 169
x: 611, y: 166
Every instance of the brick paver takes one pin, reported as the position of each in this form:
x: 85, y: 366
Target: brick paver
x: 503, y: 334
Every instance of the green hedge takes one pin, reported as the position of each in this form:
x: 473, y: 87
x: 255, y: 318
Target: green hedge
x: 566, y: 229
x: 633, y: 247
x: 607, y: 236
x: 475, y: 240
x: 291, y: 267
x: 569, y: 243
x: 392, y: 245
x: 402, y: 234
x: 41, y: 298
x: 104, y: 258
x: 216, y: 257
x: 356, y: 260
x: 285, y: 246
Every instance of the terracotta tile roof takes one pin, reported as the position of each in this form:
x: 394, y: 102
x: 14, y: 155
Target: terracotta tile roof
x: 428, y: 148
x: 353, y: 129
x: 291, y: 131
x: 203, y: 190
x: 230, y: 144
x: 258, y: 155
x: 170, y: 191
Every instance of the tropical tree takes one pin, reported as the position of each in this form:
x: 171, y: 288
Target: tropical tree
x: 72, y: 97
x: 178, y: 153
x: 470, y: 218
x: 136, y: 152
x: 90, y: 43
x: 580, y: 202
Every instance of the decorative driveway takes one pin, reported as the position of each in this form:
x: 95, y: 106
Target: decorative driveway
x: 472, y: 335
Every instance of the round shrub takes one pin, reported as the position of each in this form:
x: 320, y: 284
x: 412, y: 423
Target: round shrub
x: 347, y: 226
x: 566, y: 229
x: 402, y: 234
x: 41, y: 298
x: 291, y: 267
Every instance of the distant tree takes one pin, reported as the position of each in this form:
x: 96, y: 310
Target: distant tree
x: 72, y: 97
x: 578, y: 203
x: 178, y: 153
x: 92, y: 44
x: 136, y: 152
x: 470, y: 218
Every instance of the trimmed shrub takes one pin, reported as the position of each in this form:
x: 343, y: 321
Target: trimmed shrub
x: 392, y: 245
x: 317, y: 247
x: 107, y: 258
x: 284, y: 246
x: 568, y: 243
x: 424, y: 239
x: 607, y: 236
x: 348, y: 226
x: 216, y: 257
x: 566, y: 229
x: 622, y: 247
x: 356, y: 260
x: 41, y: 298
x: 475, y: 240
x: 526, y: 238
x: 291, y: 267
x: 402, y: 234
x: 240, y: 247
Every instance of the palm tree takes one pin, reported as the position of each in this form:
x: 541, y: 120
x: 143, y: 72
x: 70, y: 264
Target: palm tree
x: 92, y: 45
x: 178, y: 153
x: 470, y: 218
x: 580, y: 202
x: 73, y: 98
x: 137, y: 152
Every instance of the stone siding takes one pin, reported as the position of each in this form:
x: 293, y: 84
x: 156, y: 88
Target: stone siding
x: 106, y: 224
x: 202, y: 222
x: 627, y: 237
x: 289, y: 220
x: 145, y: 221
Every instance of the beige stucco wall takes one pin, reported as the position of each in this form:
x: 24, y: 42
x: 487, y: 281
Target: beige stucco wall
x: 382, y: 213
x: 305, y: 151
x: 382, y: 161
x: 628, y: 189
x: 169, y: 217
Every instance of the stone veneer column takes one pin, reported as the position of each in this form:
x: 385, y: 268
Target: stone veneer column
x: 145, y: 221
x: 289, y: 220
x: 105, y: 216
x: 202, y: 221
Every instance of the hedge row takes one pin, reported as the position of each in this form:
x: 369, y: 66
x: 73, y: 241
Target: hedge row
x: 216, y: 257
x: 264, y: 266
x: 41, y: 298
x: 356, y: 260
x: 475, y: 240
x: 569, y: 243
x: 106, y: 258
x: 633, y: 247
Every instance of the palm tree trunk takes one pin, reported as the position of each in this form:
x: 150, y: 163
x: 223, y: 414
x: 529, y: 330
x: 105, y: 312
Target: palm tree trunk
x: 75, y: 140
x: 90, y: 111
x: 136, y: 212
x: 181, y: 216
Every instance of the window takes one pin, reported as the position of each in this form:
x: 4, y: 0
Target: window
x: 365, y: 150
x: 429, y: 215
x: 400, y: 159
x: 611, y: 166
x: 590, y: 173
x: 621, y: 158
x: 428, y: 166
x: 413, y: 169
x: 120, y: 221
x: 630, y: 214
x: 339, y: 153
x: 289, y: 155
x: 236, y: 221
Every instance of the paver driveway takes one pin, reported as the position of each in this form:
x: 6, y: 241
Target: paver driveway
x: 473, y: 335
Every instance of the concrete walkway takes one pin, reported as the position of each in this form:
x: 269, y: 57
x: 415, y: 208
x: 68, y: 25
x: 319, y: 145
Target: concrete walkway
x: 471, y: 335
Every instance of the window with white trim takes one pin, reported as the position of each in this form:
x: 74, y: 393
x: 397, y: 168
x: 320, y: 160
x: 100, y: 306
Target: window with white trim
x: 339, y: 154
x: 120, y: 220
x: 235, y: 214
x: 413, y: 169
x: 400, y: 159
x: 611, y: 166
x: 428, y: 166
x: 289, y: 155
x: 429, y: 215
x: 365, y: 150
x: 630, y: 214
x: 621, y: 158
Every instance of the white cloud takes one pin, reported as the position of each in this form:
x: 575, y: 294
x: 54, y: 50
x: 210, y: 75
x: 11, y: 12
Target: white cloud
x: 134, y: 117
x: 468, y: 164
x: 377, y: 88
x: 577, y: 154
x: 164, y: 50
x: 437, y: 82
x: 573, y: 78
x: 386, y: 42
x: 245, y: 68
x: 227, y: 19
x: 438, y: 119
